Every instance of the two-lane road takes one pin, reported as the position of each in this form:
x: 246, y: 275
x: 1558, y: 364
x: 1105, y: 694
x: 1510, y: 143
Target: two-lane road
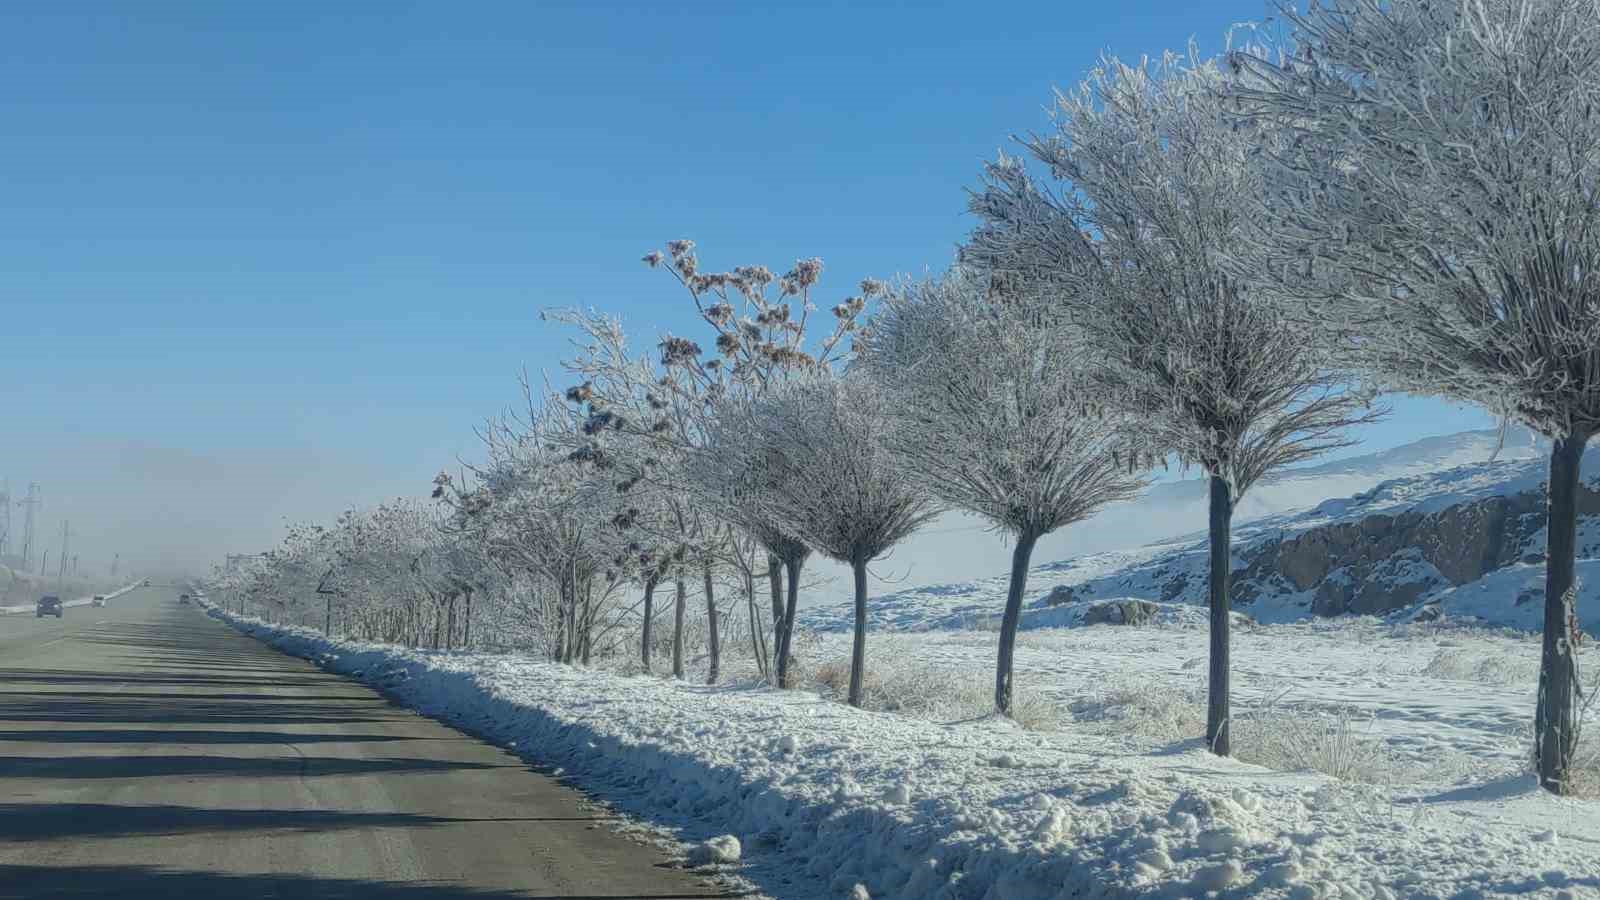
x: 148, y: 751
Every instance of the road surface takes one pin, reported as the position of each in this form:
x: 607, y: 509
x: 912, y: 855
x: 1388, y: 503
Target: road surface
x: 148, y: 751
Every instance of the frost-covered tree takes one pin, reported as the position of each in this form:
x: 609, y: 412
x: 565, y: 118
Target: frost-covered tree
x: 1441, y: 175
x: 765, y: 334
x: 1142, y: 244
x: 825, y: 469
x: 729, y: 468
x: 996, y: 416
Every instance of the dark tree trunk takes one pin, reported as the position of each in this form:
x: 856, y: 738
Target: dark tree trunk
x: 775, y: 583
x: 786, y: 632
x: 327, y: 616
x: 1556, y: 716
x: 466, y: 624
x: 588, y: 620
x: 858, y: 653
x: 677, y: 629
x: 758, y: 636
x: 1008, y: 625
x: 649, y: 620
x: 1217, y: 714
x: 713, y: 640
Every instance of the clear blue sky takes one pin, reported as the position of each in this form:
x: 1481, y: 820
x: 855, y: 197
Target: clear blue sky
x: 316, y: 236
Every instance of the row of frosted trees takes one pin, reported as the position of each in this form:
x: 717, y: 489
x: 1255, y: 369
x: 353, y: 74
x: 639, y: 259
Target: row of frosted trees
x: 1218, y: 262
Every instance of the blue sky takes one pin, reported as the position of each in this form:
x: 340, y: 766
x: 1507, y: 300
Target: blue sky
x: 306, y: 244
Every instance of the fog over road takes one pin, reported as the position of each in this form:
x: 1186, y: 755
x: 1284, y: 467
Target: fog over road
x: 149, y: 751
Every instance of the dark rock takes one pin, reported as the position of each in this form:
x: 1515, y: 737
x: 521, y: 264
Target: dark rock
x: 1059, y: 595
x: 1430, y: 612
x: 1175, y: 588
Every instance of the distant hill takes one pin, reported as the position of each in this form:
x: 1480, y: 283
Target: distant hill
x: 1436, y: 540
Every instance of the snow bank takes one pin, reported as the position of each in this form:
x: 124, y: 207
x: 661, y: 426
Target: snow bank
x: 856, y: 804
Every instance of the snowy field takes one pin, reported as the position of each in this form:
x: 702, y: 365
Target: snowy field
x: 1108, y: 795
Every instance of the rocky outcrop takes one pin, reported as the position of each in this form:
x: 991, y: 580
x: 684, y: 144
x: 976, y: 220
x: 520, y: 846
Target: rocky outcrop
x: 1383, y: 563
x: 1121, y: 612
x: 1060, y: 595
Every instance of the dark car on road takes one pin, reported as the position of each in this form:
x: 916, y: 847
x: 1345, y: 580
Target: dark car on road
x: 183, y: 599
x: 49, y: 605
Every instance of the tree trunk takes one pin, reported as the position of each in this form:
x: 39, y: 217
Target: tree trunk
x: 775, y: 583
x: 327, y: 616
x: 786, y: 632
x: 858, y: 653
x: 677, y: 629
x: 649, y: 620
x: 588, y: 620
x: 1217, y: 713
x: 466, y: 623
x: 713, y: 640
x: 1556, y: 716
x: 758, y: 635
x: 1008, y: 625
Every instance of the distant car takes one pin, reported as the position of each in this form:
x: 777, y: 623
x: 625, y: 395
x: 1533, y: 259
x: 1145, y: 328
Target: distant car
x: 147, y: 582
x: 99, y: 600
x: 49, y: 605
x: 183, y: 599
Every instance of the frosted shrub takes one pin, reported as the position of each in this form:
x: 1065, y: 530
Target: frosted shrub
x: 1145, y: 712
x: 930, y: 693
x: 1484, y: 668
x: 1270, y: 735
x: 1338, y: 744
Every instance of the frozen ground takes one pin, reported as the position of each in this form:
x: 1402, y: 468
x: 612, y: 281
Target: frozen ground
x: 1112, y: 801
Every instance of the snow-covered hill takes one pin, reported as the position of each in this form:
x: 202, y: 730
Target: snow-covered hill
x: 1457, y: 540
x: 956, y: 546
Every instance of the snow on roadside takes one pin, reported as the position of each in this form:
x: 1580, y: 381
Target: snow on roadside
x: 896, y: 807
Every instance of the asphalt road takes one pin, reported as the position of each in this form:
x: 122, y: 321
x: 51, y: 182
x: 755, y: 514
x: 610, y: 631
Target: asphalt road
x: 148, y: 751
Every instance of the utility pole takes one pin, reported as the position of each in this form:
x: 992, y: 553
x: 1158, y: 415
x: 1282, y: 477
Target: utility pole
x: 5, y: 519
x: 114, y: 563
x: 61, y: 565
x: 30, y: 508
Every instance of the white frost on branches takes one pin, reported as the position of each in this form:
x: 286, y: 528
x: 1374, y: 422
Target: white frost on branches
x: 992, y: 406
x: 1143, y: 246
x: 1440, y: 172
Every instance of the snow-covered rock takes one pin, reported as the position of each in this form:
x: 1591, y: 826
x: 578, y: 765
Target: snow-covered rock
x: 721, y: 850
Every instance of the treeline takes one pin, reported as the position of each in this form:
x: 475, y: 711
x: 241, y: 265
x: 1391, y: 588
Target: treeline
x: 1214, y: 262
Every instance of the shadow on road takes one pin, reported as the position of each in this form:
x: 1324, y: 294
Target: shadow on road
x: 173, y: 736
x: 80, y: 767
x: 147, y: 882
x: 25, y: 822
x: 46, y: 707
x: 12, y: 677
